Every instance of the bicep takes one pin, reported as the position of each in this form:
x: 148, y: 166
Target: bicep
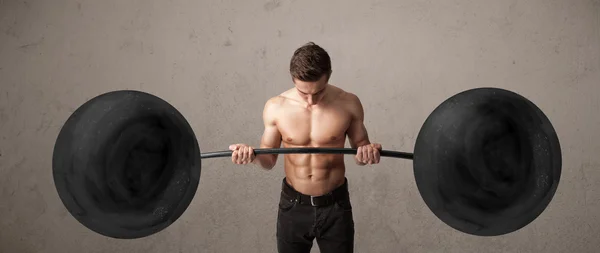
x: 357, y: 132
x: 271, y: 137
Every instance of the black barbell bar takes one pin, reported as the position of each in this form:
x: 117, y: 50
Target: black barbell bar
x: 345, y: 151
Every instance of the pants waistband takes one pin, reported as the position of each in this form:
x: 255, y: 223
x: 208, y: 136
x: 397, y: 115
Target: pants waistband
x: 341, y: 192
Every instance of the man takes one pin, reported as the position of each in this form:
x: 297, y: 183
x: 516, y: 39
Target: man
x: 314, y: 201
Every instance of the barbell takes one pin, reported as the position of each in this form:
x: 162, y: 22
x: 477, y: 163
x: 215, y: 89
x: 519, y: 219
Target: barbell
x: 127, y: 164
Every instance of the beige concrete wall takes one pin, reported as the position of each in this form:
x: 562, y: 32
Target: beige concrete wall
x: 218, y: 61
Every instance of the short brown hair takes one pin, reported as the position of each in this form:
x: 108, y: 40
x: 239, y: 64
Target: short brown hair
x: 310, y: 62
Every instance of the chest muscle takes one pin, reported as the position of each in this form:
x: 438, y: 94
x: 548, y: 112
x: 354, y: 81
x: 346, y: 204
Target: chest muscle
x: 317, y: 127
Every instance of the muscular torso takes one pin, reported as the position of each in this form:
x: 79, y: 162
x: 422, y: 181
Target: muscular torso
x: 323, y: 125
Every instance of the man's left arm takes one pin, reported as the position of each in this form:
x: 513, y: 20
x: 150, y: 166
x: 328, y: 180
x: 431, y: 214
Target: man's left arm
x: 368, y: 153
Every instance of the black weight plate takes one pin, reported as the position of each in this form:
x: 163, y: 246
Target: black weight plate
x: 487, y: 161
x: 126, y: 164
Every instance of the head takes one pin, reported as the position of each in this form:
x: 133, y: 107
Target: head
x: 310, y: 68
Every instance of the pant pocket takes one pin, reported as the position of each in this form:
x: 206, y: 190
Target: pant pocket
x: 285, y: 203
x: 344, y: 205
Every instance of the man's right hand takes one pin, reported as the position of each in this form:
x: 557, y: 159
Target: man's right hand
x: 242, y: 153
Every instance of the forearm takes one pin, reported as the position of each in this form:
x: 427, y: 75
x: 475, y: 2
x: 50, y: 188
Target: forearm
x: 359, y: 143
x: 266, y: 161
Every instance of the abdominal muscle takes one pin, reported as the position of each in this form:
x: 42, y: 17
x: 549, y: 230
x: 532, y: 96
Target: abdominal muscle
x: 314, y: 174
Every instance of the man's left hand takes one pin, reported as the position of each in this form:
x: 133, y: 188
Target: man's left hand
x: 368, y: 154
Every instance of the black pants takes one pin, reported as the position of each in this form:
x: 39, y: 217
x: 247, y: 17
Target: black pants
x: 328, y: 219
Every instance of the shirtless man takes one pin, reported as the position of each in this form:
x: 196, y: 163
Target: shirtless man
x: 315, y: 202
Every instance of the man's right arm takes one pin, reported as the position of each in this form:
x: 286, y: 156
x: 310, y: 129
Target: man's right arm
x: 271, y: 137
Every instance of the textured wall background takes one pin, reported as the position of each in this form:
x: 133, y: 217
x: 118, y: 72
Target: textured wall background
x: 218, y: 62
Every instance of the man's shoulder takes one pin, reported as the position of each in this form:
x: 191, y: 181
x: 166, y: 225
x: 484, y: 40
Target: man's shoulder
x: 274, y: 103
x: 279, y: 99
x: 349, y: 101
x: 345, y: 96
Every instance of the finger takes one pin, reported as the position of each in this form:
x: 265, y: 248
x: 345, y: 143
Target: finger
x: 365, y: 156
x: 243, y: 155
x: 370, y: 155
x: 239, y: 155
x: 376, y: 155
x: 246, y: 154
x: 359, y: 154
x: 251, y: 151
x: 234, y: 154
x: 234, y: 157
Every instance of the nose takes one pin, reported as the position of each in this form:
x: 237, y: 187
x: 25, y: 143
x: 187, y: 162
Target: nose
x: 312, y: 100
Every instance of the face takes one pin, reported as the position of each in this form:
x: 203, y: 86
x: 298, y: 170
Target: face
x: 311, y: 92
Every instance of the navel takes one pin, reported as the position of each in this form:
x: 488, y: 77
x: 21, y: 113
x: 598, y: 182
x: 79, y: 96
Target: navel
x: 333, y: 138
